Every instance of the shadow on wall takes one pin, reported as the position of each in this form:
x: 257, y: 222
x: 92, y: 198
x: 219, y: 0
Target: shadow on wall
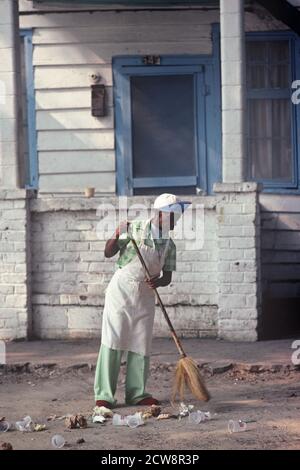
x: 280, y: 251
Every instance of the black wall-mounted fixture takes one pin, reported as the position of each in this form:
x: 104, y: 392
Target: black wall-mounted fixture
x: 98, y: 100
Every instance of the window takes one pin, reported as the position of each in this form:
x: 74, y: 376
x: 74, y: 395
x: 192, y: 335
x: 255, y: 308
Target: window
x: 271, y: 114
x: 163, y: 126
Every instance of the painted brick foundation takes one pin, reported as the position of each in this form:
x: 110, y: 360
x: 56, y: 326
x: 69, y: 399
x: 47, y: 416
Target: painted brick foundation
x: 53, y: 266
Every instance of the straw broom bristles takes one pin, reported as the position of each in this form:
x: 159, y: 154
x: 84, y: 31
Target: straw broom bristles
x: 187, y: 376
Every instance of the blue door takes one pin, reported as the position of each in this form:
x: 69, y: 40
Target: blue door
x: 160, y: 129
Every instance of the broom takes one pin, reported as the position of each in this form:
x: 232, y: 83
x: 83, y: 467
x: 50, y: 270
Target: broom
x: 187, y: 374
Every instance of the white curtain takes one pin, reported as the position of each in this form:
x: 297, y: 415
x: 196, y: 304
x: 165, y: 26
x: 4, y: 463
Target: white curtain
x: 270, y: 146
x: 269, y: 118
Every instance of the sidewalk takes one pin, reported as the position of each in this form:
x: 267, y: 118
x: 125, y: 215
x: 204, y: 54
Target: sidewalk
x: 71, y: 353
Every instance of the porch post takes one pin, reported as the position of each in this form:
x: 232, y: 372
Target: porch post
x: 9, y: 94
x: 238, y: 215
x: 15, y: 307
x: 233, y: 89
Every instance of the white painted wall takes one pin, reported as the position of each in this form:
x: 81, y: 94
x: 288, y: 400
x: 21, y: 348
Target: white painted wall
x: 15, y: 318
x: 70, y: 273
x: 76, y: 150
x: 214, y: 291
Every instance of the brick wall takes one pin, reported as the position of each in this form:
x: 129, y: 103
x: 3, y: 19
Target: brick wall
x: 70, y: 273
x: 239, y: 301
x: 56, y: 277
x: 15, y: 316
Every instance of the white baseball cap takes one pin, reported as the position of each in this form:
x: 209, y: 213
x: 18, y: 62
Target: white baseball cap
x: 170, y: 203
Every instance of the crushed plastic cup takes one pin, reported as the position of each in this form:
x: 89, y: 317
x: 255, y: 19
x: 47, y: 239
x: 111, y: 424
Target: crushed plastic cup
x: 135, y: 420
x: 119, y: 420
x: 21, y: 426
x: 25, y: 425
x: 195, y: 417
x: 4, y: 426
x: 58, y: 441
x: 198, y: 416
x: 236, y: 426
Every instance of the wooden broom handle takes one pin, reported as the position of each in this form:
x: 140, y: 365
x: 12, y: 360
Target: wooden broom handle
x: 148, y: 275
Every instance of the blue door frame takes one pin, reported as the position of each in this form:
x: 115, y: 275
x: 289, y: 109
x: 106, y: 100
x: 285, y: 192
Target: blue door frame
x: 206, y: 72
x: 126, y: 182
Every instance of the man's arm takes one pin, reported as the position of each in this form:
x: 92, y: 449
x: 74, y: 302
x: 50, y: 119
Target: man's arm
x: 160, y: 281
x: 112, y: 246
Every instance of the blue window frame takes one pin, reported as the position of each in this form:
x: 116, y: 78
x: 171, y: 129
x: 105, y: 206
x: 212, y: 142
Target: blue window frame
x: 31, y: 164
x: 272, y: 118
x: 205, y: 73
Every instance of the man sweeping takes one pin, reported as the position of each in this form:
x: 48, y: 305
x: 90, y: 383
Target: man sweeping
x: 129, y: 308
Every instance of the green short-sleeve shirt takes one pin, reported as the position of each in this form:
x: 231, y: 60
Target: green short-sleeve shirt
x: 136, y: 230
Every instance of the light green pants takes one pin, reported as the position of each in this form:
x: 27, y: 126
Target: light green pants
x: 107, y: 371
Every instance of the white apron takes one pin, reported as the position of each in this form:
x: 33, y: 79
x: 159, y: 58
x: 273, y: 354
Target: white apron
x: 129, y: 307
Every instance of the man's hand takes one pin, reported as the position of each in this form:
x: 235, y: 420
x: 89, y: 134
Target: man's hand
x: 111, y: 247
x: 154, y: 282
x: 123, y: 227
x: 160, y: 281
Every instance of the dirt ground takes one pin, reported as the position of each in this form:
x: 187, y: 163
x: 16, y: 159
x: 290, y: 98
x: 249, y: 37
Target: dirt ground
x: 268, y: 400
